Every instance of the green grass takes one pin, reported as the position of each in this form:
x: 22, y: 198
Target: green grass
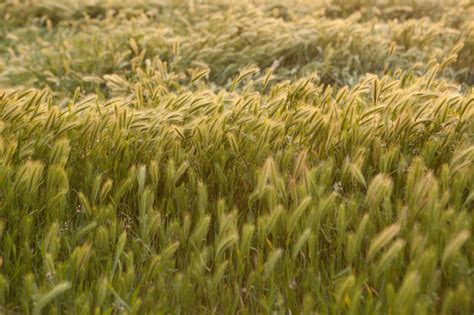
x: 248, y: 157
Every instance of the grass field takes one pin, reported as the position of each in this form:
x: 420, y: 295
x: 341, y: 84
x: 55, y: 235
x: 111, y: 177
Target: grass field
x: 249, y: 157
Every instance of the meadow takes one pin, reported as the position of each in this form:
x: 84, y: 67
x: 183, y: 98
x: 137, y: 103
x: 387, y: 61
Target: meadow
x: 236, y: 157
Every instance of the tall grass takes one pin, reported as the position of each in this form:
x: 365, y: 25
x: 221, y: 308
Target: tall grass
x: 193, y: 158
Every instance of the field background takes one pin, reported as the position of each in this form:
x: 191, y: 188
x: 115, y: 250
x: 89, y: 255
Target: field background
x: 246, y: 157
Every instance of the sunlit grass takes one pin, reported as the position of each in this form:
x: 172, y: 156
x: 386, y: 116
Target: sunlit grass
x: 254, y: 158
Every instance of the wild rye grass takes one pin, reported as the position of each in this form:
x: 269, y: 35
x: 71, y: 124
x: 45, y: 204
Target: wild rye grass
x: 192, y: 158
x: 63, y: 52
